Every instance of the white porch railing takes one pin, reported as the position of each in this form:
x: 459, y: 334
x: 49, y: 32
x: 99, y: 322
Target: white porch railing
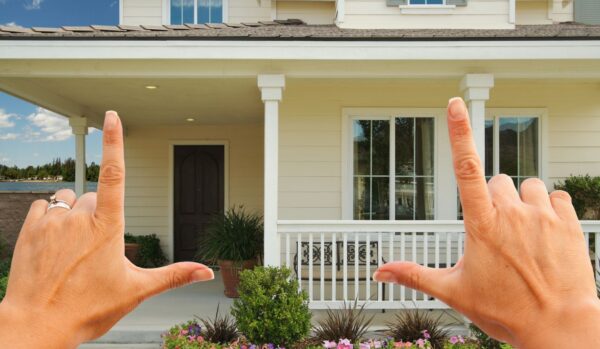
x: 334, y: 261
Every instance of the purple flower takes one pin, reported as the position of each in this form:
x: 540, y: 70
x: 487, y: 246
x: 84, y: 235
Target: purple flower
x: 453, y: 340
x: 345, y: 344
x: 252, y: 346
x: 377, y: 344
x: 426, y: 334
x: 365, y: 345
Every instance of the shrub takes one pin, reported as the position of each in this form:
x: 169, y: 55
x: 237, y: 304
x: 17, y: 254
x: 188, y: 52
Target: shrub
x: 348, y: 323
x: 183, y: 336
x: 235, y: 236
x: 271, y: 309
x: 150, y: 255
x: 485, y: 341
x: 221, y: 329
x: 3, y: 284
x: 585, y: 194
x: 414, y: 324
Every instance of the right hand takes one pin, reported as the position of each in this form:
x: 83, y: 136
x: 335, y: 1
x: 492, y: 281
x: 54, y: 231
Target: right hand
x: 525, y: 277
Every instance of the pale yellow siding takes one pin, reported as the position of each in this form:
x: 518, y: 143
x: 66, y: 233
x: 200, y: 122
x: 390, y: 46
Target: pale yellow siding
x: 136, y: 12
x: 311, y: 12
x: 249, y: 10
x: 148, y: 172
x: 478, y: 14
x: 544, y: 11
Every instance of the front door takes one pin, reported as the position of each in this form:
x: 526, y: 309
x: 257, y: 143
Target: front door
x: 198, y: 194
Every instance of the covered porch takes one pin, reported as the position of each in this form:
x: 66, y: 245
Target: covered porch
x: 285, y: 118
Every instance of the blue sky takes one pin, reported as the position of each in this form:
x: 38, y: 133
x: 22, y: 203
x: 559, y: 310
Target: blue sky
x: 30, y: 135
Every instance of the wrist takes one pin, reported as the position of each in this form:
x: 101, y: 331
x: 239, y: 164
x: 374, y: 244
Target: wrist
x: 575, y: 325
x: 26, y: 329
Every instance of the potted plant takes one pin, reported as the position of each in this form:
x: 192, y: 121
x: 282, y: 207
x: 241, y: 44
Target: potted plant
x: 234, y: 240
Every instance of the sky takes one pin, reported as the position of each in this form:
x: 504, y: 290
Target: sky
x: 29, y: 134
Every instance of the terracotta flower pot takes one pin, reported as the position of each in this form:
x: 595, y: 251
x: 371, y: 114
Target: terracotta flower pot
x: 230, y: 271
x: 131, y: 251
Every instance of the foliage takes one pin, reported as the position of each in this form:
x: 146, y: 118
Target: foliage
x: 271, y: 308
x: 585, y: 194
x: 184, y: 336
x: 414, y: 324
x: 350, y: 323
x: 220, y: 329
x: 485, y: 341
x: 58, y: 167
x: 150, y: 255
x: 235, y: 235
x: 3, y: 285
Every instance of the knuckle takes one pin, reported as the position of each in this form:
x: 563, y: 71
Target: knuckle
x: 468, y: 168
x: 176, y: 279
x: 111, y: 173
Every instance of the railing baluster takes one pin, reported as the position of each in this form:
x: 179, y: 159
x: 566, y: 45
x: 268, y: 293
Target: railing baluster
x: 368, y: 267
x: 437, y: 249
x: 449, y: 249
x: 345, y: 266
x: 391, y: 259
x: 356, y: 269
x: 414, y: 259
x: 310, y: 266
x: 379, y: 256
x: 460, y: 245
x: 322, y: 289
x: 587, y: 240
x: 597, y: 254
x: 425, y: 255
x: 299, y: 257
x: 402, y: 258
x: 333, y: 266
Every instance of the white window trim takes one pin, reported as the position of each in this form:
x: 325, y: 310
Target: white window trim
x: 424, y: 9
x: 543, y: 150
x: 171, y: 185
x: 440, y: 154
x: 166, y: 18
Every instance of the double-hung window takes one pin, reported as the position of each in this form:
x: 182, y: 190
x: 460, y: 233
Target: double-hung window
x: 393, y: 168
x: 196, y: 11
x: 426, y: 2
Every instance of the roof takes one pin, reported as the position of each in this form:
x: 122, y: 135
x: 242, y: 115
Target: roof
x: 295, y: 29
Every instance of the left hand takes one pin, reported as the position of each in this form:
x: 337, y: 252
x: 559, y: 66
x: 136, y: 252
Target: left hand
x: 70, y: 281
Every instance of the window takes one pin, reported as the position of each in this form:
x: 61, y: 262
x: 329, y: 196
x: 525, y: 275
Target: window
x: 426, y: 2
x: 512, y: 147
x: 409, y: 162
x: 196, y: 11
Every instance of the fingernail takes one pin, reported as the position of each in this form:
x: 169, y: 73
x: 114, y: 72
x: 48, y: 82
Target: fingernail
x: 202, y: 275
x: 384, y: 276
x: 110, y: 120
x: 457, y: 108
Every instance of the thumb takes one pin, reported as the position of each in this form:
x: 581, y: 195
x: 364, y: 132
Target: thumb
x: 158, y: 280
x: 433, y: 281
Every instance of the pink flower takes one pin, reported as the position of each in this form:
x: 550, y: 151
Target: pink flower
x: 344, y: 344
x: 461, y: 339
x: 365, y: 345
x: 377, y: 344
x: 426, y: 334
x: 329, y: 344
x: 453, y: 340
x: 398, y: 344
x: 420, y: 342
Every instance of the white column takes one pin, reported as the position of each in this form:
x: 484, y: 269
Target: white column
x: 271, y: 88
x: 79, y: 128
x: 476, y: 91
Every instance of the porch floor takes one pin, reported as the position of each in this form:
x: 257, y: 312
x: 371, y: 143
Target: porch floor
x: 142, y: 327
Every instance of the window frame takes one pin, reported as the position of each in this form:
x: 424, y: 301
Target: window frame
x: 495, y: 114
x: 411, y: 4
x: 166, y: 4
x: 351, y: 114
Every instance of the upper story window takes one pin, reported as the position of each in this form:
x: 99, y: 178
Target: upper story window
x: 196, y: 11
x: 426, y: 2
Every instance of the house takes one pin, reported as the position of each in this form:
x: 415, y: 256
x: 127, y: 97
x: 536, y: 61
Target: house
x: 326, y: 116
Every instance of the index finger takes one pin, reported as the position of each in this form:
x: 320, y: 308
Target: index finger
x: 111, y: 181
x: 474, y: 194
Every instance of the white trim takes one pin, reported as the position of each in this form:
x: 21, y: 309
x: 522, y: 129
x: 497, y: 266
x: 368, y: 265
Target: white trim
x: 166, y: 12
x: 512, y: 11
x: 426, y: 9
x: 170, y: 197
x: 299, y: 50
x: 543, y: 147
x: 226, y: 11
x: 121, y: 11
x: 374, y: 113
x: 340, y: 11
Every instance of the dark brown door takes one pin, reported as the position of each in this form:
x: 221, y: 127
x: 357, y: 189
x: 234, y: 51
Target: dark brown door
x: 198, y: 194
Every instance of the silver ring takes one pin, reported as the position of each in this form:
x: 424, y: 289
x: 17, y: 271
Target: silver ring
x: 57, y: 203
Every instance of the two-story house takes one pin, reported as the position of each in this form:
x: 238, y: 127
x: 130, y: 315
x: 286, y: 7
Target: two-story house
x: 326, y: 116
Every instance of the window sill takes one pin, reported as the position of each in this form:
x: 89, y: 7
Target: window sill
x: 426, y: 9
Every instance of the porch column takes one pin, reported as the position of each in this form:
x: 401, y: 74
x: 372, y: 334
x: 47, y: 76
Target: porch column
x: 476, y: 91
x: 271, y: 88
x: 79, y: 128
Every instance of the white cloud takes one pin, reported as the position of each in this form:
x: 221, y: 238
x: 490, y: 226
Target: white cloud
x: 5, y: 119
x: 47, y: 126
x: 11, y: 24
x: 34, y: 5
x: 8, y: 136
x: 4, y: 160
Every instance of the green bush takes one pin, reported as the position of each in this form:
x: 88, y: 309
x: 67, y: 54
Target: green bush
x: 235, y: 236
x: 150, y: 255
x: 271, y: 309
x: 585, y: 193
x: 3, y: 284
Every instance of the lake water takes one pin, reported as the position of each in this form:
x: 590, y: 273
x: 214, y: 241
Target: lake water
x: 42, y: 186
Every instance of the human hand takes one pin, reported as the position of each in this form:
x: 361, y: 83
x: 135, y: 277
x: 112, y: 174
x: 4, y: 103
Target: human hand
x: 525, y: 277
x: 70, y: 281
